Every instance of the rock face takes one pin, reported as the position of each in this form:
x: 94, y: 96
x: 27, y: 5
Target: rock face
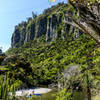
x: 41, y: 27
x: 51, y: 25
x: 30, y: 32
x: 19, y: 35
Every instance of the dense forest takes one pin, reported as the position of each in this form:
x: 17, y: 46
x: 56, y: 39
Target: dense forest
x: 51, y: 49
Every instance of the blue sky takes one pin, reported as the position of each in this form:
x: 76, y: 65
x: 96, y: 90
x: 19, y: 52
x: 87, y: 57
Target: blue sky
x: 13, y: 12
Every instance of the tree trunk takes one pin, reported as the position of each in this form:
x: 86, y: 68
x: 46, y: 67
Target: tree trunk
x: 88, y: 93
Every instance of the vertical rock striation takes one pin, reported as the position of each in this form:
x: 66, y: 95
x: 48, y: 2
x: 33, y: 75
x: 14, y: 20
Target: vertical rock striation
x: 50, y: 24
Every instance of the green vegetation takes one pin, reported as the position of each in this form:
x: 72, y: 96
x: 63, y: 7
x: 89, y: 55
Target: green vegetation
x: 71, y: 63
x: 47, y: 59
x: 8, y: 87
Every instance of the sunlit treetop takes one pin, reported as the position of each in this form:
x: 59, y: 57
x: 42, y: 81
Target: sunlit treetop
x: 52, y: 0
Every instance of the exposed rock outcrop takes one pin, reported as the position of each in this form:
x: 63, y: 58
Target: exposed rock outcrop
x: 50, y: 24
x: 41, y: 27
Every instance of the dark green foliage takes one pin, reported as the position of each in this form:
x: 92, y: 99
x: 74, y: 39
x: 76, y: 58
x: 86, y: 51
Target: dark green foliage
x: 36, y: 62
x: 2, y: 56
x: 20, y: 69
x: 47, y: 59
x: 1, y: 59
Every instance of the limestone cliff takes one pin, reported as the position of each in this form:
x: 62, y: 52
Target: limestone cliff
x: 50, y: 24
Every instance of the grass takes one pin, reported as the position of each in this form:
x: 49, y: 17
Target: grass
x: 47, y: 96
x: 79, y: 96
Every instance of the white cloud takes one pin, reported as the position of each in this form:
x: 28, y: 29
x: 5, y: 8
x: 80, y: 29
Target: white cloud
x: 4, y: 46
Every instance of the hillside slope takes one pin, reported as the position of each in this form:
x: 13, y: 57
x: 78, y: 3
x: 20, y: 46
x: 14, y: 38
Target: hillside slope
x: 37, y: 61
